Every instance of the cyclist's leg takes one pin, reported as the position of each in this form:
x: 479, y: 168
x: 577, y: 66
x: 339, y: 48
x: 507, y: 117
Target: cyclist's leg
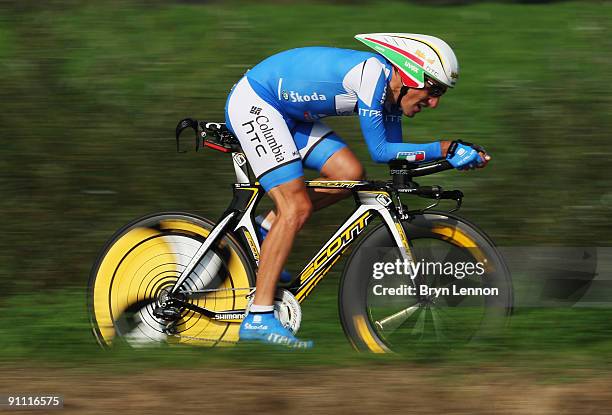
x: 342, y: 165
x: 293, y: 207
x: 268, y: 145
x: 327, y: 153
x: 322, y: 150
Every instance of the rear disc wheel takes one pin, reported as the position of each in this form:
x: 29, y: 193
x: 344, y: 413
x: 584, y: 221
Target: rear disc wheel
x: 144, y: 260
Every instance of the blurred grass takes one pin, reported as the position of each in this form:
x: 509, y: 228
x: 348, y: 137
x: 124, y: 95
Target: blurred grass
x: 52, y: 329
x: 91, y: 92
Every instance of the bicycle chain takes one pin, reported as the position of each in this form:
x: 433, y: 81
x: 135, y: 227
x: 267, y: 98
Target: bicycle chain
x: 251, y: 289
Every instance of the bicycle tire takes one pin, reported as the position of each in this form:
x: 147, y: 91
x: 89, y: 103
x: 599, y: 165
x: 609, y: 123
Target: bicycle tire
x: 364, y: 328
x: 147, y: 256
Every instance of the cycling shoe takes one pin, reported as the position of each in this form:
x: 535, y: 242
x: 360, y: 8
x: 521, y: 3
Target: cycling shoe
x: 265, y: 328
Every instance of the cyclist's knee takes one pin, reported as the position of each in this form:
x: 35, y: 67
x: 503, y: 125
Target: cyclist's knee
x: 343, y: 165
x: 354, y: 171
x: 293, y: 205
x: 348, y: 172
x: 294, y: 215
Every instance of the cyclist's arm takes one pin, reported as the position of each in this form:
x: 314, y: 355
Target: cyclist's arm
x: 393, y: 126
x: 384, y: 138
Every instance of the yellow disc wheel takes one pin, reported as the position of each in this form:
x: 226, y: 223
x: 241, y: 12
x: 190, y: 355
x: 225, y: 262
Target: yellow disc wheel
x: 145, y: 259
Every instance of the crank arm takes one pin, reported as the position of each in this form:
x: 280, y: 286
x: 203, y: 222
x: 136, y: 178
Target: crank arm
x: 227, y: 315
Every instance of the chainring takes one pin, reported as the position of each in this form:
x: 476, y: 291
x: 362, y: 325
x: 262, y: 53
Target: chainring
x: 286, y: 309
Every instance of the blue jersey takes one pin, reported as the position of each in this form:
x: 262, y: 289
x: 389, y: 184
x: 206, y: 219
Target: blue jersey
x: 307, y: 84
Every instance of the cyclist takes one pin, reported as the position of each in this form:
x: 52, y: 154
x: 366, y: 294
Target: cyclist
x: 275, y: 112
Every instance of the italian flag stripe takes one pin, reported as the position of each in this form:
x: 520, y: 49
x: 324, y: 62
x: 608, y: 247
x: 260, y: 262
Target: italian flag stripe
x: 398, y: 50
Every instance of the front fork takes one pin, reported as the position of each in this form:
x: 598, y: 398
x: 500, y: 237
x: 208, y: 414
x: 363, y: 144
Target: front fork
x: 393, y: 218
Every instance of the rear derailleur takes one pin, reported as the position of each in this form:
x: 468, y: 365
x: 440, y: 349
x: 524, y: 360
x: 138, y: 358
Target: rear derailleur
x: 169, y: 310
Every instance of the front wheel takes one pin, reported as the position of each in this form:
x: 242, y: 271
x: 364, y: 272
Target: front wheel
x: 457, y: 289
x: 144, y: 260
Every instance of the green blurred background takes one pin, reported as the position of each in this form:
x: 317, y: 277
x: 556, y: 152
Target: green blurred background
x: 90, y: 93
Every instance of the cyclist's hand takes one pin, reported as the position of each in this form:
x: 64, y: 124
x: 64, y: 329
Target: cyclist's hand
x: 463, y: 155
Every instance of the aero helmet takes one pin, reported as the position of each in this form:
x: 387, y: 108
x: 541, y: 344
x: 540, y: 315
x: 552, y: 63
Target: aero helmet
x: 416, y: 56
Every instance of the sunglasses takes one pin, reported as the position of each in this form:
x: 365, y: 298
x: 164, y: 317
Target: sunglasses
x: 435, y: 89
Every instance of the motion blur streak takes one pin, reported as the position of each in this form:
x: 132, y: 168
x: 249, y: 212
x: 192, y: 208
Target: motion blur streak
x: 90, y: 94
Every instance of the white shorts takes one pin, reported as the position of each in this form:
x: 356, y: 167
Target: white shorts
x: 276, y: 146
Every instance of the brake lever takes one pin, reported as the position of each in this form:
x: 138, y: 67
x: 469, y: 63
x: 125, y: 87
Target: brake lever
x: 434, y: 204
x: 458, y: 202
x: 182, y: 125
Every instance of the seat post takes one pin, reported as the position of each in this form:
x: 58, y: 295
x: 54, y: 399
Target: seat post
x: 241, y: 167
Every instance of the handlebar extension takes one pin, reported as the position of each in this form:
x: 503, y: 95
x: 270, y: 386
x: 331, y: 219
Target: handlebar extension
x: 436, y: 192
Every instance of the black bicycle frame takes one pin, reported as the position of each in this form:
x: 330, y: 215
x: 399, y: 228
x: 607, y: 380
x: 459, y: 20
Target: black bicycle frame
x: 371, y: 198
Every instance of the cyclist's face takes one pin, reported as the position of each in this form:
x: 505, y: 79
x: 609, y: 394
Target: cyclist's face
x: 417, y: 99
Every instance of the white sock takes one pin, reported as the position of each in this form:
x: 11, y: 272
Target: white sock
x: 261, y: 308
x: 263, y: 222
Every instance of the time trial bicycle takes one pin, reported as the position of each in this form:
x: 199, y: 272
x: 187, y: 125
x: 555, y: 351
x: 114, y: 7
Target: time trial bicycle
x: 179, y: 278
